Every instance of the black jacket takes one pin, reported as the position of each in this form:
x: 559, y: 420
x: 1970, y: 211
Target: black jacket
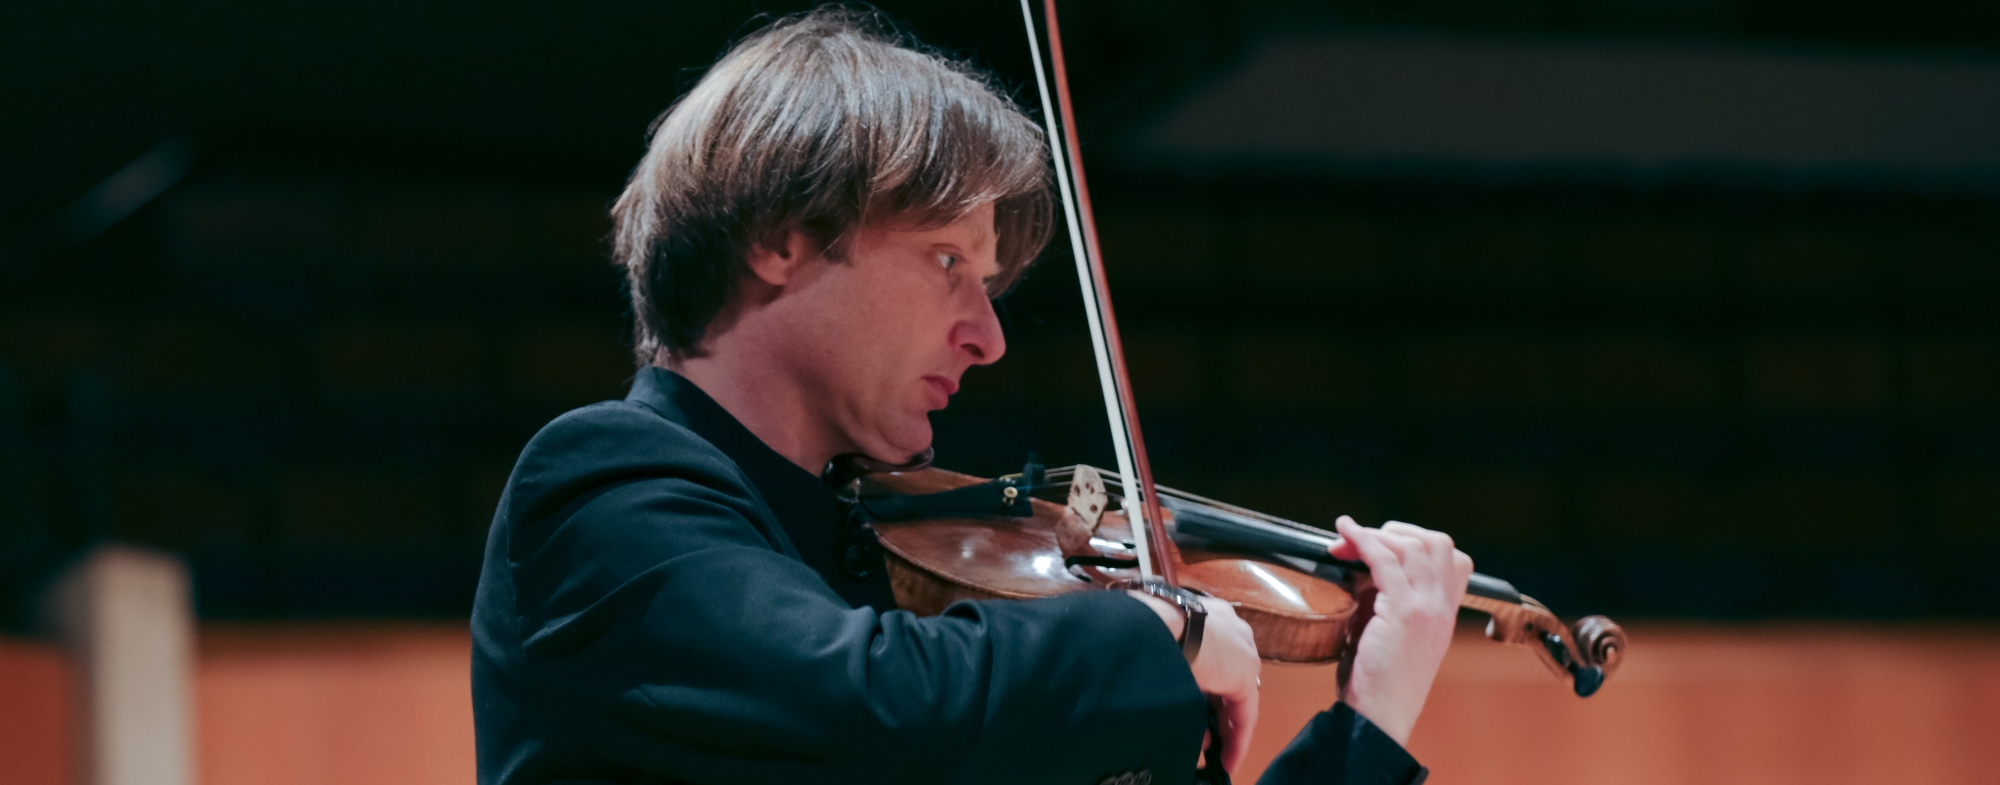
x: 661, y: 602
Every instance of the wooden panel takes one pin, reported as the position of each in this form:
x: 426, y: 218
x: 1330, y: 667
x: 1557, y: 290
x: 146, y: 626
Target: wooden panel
x: 1709, y: 704
x: 336, y: 704
x: 35, y: 717
x: 1823, y: 704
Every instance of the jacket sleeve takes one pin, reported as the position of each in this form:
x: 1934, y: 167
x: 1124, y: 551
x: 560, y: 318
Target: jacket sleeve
x: 1341, y: 747
x: 657, y: 625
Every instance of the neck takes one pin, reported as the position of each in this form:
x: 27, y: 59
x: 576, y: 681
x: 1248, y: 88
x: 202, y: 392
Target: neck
x: 775, y: 407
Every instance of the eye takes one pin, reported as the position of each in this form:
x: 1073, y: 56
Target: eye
x: 947, y: 260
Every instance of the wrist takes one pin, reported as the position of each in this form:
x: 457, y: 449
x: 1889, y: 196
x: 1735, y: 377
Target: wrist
x: 1189, y: 605
x: 1169, y: 615
x: 1386, y: 718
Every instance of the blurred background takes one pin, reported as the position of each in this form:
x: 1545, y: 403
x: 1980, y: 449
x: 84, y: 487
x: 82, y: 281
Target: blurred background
x: 1682, y: 312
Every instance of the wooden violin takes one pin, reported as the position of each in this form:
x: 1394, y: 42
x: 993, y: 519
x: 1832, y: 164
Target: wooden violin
x: 948, y: 536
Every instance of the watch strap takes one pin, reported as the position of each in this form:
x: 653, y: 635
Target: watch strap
x: 1194, y: 615
x: 1197, y: 620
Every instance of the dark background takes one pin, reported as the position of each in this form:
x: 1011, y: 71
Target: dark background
x: 309, y: 364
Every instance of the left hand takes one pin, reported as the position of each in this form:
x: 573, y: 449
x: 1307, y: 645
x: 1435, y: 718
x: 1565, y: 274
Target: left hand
x: 1419, y: 579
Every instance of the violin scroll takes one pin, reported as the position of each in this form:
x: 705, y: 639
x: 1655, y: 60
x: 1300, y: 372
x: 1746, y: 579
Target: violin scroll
x: 1601, y: 641
x: 1584, y: 653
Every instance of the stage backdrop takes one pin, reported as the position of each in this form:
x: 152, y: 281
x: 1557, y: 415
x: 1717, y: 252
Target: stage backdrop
x: 367, y: 703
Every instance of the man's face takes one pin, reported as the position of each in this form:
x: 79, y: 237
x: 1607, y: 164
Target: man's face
x: 882, y: 337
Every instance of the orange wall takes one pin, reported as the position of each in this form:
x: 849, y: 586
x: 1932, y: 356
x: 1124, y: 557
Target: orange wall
x: 1702, y: 704
x: 334, y: 704
x: 34, y: 715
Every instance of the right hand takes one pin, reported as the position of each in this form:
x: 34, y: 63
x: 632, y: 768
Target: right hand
x: 1225, y: 669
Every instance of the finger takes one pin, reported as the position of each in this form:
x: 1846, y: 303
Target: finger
x: 1241, y: 719
x: 1436, y: 543
x: 1384, y: 564
x: 1420, y: 567
x: 1437, y: 562
x: 1409, y: 546
x: 1409, y: 529
x: 1413, y: 549
x: 1344, y: 548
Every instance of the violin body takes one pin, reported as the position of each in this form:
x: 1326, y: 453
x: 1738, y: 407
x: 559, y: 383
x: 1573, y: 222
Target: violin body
x: 1294, y: 616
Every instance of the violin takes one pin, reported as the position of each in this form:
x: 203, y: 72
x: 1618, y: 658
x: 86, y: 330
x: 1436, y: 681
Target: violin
x: 948, y: 537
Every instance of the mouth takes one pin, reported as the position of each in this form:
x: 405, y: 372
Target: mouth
x: 941, y: 390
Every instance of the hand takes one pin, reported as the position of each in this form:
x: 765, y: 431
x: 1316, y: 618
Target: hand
x: 1406, y: 625
x: 1225, y: 669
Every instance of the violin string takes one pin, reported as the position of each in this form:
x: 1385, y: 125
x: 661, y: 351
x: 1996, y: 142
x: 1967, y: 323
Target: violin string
x: 1060, y: 477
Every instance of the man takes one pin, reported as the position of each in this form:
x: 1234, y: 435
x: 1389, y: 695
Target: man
x: 811, y: 243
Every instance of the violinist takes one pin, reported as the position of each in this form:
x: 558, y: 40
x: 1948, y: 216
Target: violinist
x: 811, y: 244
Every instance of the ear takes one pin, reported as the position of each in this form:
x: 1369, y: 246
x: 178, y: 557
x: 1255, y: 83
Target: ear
x: 776, y: 266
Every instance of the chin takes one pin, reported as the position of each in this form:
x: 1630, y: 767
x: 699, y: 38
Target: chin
x: 908, y: 440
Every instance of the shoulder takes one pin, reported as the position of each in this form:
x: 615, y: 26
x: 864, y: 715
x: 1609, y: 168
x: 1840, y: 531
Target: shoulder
x: 613, y: 443
x: 626, y: 427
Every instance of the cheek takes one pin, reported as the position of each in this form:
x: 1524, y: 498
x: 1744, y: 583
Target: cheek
x: 854, y: 306
x: 907, y: 312
x: 882, y: 329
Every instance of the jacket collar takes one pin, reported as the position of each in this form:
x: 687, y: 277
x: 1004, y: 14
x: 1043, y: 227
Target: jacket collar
x: 677, y: 399
x: 808, y: 509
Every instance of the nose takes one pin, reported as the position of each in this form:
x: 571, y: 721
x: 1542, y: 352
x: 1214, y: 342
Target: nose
x: 977, y: 333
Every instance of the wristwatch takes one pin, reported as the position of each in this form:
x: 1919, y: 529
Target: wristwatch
x: 1195, y: 614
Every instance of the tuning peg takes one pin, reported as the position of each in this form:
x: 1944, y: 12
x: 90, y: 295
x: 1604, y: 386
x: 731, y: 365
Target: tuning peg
x: 1586, y: 679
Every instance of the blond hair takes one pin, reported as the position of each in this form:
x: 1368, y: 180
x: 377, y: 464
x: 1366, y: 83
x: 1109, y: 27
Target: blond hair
x: 818, y: 123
